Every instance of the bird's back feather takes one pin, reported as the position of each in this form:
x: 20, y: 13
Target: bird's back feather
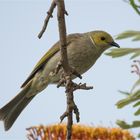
x: 52, y: 51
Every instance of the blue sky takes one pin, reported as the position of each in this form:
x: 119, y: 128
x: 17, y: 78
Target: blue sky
x: 20, y: 49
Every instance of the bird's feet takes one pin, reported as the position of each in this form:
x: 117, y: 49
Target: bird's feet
x: 73, y: 107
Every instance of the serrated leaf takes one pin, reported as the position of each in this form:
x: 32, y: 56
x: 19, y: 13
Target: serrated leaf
x: 135, y: 55
x: 136, y: 94
x: 123, y: 52
x: 137, y: 38
x: 136, y: 104
x: 135, y: 124
x: 122, y: 103
x: 137, y: 83
x: 129, y: 99
x: 124, y: 92
x: 137, y: 112
x: 138, y: 135
x: 135, y: 7
x: 128, y: 34
x: 119, y: 52
x: 125, y: 125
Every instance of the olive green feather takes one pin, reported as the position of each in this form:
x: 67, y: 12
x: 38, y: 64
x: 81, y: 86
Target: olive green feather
x: 54, y: 49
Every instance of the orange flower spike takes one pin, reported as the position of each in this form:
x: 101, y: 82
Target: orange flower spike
x: 127, y: 135
x: 46, y: 132
x: 96, y: 133
x: 63, y: 132
x: 118, y: 132
x: 93, y: 132
x: 88, y: 132
x: 49, y: 133
x: 75, y: 132
x: 80, y: 132
x: 56, y: 131
x: 103, y: 133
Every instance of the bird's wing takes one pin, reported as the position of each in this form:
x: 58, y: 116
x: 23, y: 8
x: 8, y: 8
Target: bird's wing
x: 48, y: 55
x: 42, y: 62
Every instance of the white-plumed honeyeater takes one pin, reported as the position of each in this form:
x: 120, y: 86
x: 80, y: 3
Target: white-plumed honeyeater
x: 83, y: 51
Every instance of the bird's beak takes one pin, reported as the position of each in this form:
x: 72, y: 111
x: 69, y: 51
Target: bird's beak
x: 115, y: 44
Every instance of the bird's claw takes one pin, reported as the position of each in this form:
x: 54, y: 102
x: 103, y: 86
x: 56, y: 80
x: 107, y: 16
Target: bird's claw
x: 73, y: 107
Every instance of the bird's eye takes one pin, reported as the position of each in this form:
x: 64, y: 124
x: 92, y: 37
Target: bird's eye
x: 102, y: 38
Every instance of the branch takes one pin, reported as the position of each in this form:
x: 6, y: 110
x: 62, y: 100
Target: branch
x: 66, y: 76
x: 62, y: 34
x: 49, y: 15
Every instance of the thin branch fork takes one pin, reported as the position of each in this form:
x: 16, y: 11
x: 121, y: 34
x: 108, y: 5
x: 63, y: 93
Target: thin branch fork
x: 66, y: 68
x: 49, y: 15
x: 66, y: 77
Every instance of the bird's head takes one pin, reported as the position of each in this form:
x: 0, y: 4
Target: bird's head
x: 102, y: 40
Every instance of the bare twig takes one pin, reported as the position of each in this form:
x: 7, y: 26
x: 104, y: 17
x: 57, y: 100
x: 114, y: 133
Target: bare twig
x: 81, y: 86
x: 65, y: 64
x: 66, y: 76
x: 49, y: 15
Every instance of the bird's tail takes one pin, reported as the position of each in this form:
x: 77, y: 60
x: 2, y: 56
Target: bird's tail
x: 11, y: 110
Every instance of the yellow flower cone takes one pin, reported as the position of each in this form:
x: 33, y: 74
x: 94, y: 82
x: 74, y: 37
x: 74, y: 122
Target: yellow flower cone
x: 79, y: 132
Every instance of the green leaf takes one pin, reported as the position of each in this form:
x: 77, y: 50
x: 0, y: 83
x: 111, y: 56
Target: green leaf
x: 128, y: 34
x: 137, y: 83
x: 138, y: 135
x: 125, y: 125
x: 137, y: 38
x: 124, y: 92
x: 129, y: 99
x: 137, y: 112
x: 135, y: 55
x: 124, y: 102
x: 136, y: 104
x: 114, y: 53
x: 135, y: 7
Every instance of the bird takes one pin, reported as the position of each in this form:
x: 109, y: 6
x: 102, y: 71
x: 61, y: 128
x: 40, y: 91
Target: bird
x: 83, y: 49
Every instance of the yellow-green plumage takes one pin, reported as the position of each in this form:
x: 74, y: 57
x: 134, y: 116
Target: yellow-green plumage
x: 54, y: 49
x: 83, y: 51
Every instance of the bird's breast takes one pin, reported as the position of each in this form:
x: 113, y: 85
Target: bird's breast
x: 81, y: 56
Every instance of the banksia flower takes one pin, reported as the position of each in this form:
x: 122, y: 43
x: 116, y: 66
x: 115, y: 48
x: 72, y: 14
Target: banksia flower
x: 79, y: 132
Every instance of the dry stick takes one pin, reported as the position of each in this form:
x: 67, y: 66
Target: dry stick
x: 49, y: 15
x: 68, y: 71
x: 65, y: 79
x: 64, y: 58
x: 65, y: 65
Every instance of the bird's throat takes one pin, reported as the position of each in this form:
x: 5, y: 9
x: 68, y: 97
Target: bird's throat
x: 93, y: 42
